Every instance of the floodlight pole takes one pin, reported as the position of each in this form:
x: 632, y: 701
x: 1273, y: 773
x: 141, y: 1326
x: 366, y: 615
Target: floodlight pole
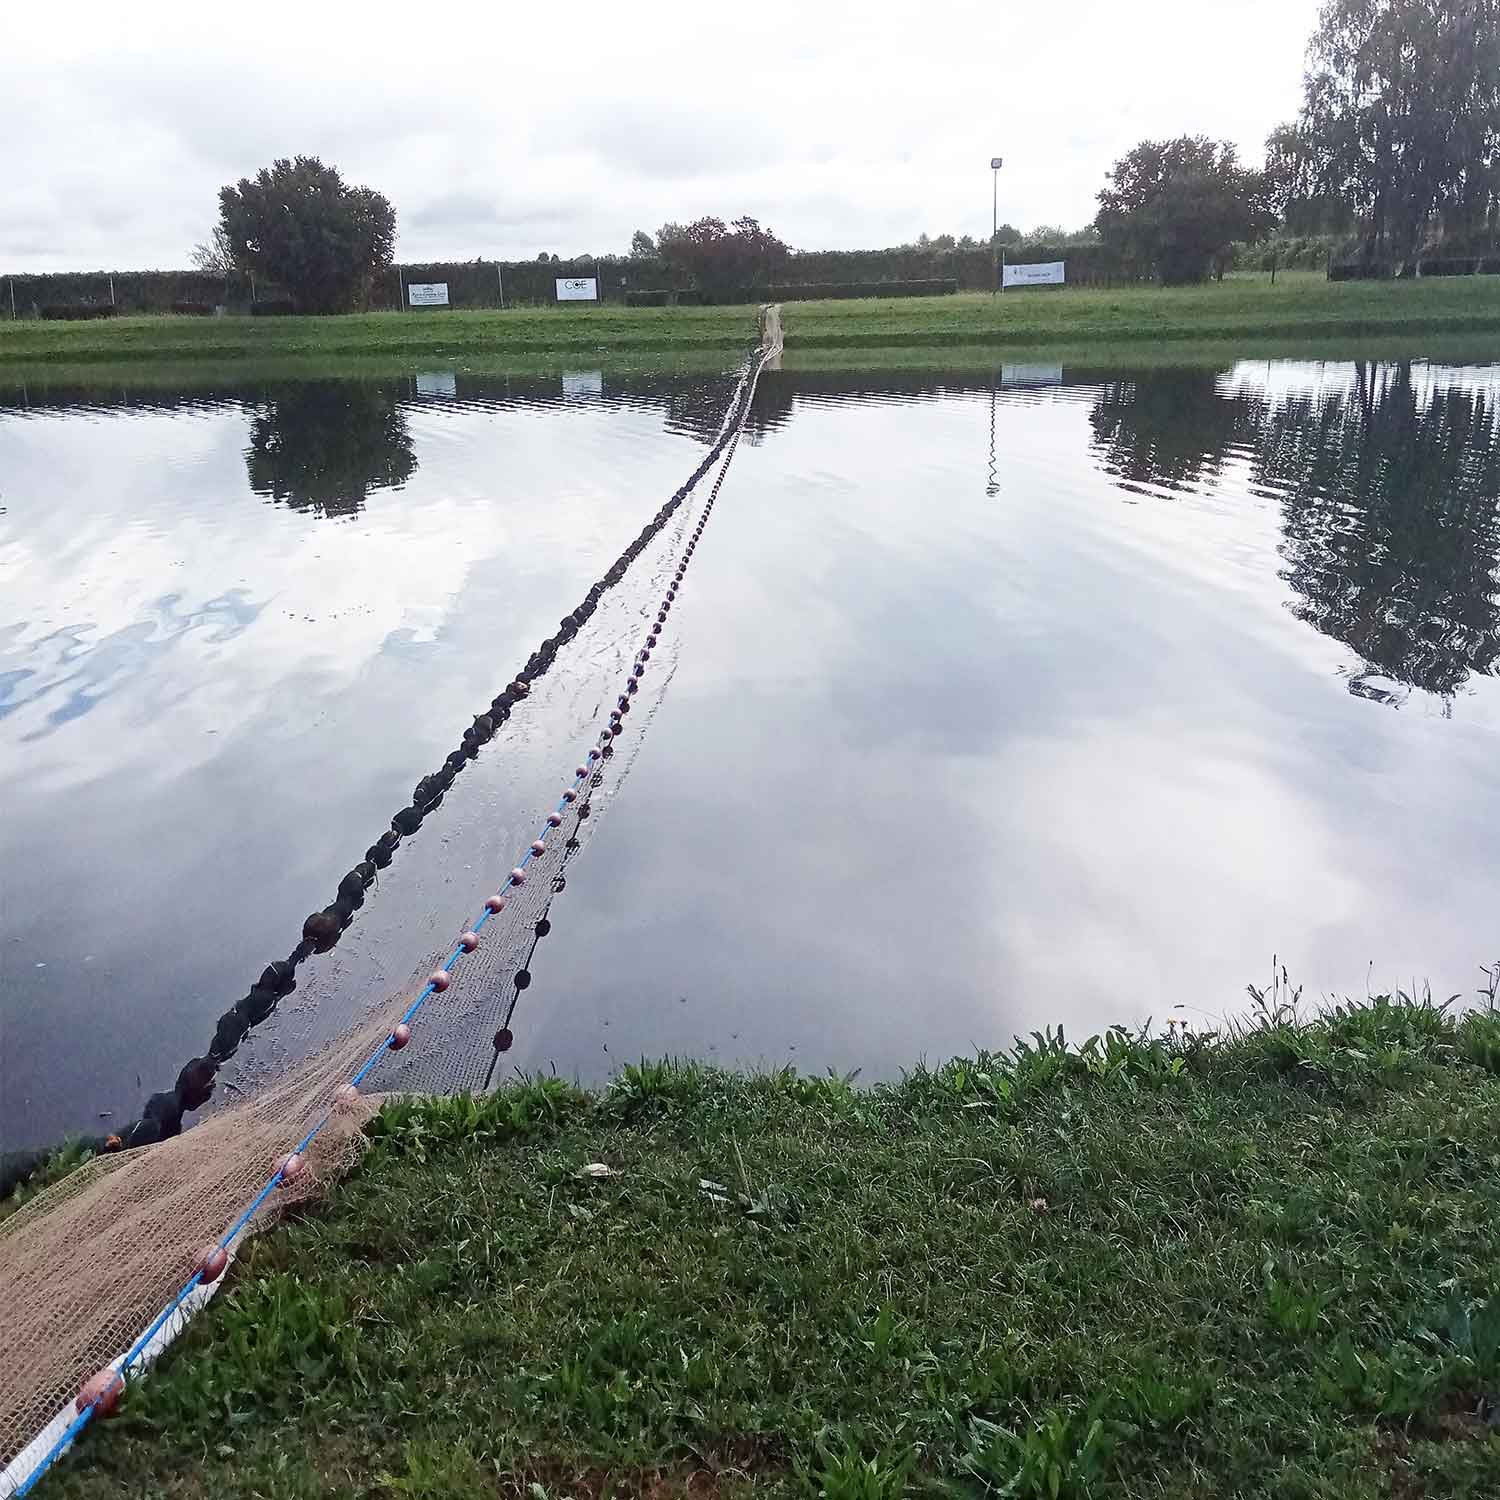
x: 995, y: 164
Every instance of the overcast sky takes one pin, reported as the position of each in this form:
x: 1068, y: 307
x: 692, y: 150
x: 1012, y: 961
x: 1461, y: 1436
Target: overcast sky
x: 506, y: 129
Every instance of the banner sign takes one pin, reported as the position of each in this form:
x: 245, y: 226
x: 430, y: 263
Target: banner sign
x: 1030, y: 375
x: 577, y: 289
x: 1044, y: 273
x: 583, y: 382
x: 427, y: 293
x: 438, y: 383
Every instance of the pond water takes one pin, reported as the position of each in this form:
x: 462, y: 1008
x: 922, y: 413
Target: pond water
x: 995, y: 700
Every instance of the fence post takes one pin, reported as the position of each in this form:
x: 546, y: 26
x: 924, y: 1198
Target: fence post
x: 111, y: 288
x: 13, y: 299
x: 500, y: 278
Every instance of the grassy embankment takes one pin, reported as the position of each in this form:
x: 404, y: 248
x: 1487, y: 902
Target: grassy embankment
x: 1302, y: 312
x: 1300, y: 306
x: 1257, y: 1267
x: 587, y: 332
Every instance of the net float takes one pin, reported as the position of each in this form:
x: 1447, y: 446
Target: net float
x: 101, y: 1393
x: 212, y: 1262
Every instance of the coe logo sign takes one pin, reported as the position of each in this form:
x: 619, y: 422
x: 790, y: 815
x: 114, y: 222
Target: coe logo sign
x: 577, y: 289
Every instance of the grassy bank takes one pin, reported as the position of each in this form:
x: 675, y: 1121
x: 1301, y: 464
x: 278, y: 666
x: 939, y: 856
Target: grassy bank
x: 1156, y: 1267
x: 24, y: 384
x: 1246, y: 308
x: 588, y: 332
x: 1300, y: 306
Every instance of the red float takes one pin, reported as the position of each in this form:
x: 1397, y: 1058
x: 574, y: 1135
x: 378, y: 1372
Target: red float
x: 102, y: 1392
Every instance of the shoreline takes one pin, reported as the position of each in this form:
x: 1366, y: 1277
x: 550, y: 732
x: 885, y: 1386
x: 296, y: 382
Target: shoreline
x: 697, y: 1281
x: 1300, y: 311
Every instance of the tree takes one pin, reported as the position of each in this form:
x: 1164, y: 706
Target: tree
x: 215, y: 255
x: 301, y: 226
x: 641, y: 245
x: 713, y: 256
x: 1400, y: 116
x: 1176, y: 207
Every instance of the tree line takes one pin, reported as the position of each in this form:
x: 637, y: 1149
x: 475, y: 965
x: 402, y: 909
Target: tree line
x: 1395, y: 144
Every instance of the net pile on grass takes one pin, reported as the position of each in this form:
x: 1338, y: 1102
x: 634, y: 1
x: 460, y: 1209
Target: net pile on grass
x: 86, y: 1266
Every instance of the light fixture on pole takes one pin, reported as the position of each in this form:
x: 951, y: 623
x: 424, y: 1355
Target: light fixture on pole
x: 995, y: 164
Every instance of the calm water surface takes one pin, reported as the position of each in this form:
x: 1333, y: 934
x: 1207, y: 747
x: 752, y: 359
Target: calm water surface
x: 995, y: 700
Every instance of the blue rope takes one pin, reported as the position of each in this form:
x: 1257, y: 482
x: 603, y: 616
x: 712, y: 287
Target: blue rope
x: 729, y: 439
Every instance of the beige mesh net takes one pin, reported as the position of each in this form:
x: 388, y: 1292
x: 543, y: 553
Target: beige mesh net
x: 89, y: 1266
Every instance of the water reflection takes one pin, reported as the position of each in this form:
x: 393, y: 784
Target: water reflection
x: 1388, y: 483
x: 75, y: 669
x: 324, y: 445
x: 1133, y: 749
x: 1172, y: 429
x: 1390, y: 522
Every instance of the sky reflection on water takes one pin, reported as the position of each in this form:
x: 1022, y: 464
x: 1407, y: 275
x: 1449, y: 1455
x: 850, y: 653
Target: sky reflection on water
x: 1190, y: 667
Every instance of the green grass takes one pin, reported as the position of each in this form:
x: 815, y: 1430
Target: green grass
x: 1301, y: 305
x: 456, y: 336
x: 1184, y: 1267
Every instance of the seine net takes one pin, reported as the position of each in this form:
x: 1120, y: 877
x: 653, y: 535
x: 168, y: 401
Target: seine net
x: 89, y: 1266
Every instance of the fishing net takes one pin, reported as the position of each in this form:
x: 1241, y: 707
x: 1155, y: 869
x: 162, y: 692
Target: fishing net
x: 93, y: 1269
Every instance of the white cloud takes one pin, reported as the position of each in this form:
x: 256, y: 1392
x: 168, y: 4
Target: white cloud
x: 505, y: 131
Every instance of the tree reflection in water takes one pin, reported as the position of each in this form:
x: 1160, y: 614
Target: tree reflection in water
x: 323, y: 446
x: 1390, y: 498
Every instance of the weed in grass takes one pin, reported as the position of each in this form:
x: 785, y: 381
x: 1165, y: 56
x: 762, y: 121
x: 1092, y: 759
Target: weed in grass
x: 438, y: 1470
x: 840, y: 1470
x: 1063, y: 1456
x: 648, y: 1090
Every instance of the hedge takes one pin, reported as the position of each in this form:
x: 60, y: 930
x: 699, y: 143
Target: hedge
x: 134, y: 291
x: 1384, y: 270
x: 479, y: 283
x: 77, y: 312
x: 818, y: 290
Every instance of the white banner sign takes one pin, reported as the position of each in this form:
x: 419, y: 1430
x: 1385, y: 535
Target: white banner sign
x: 577, y: 289
x: 427, y: 293
x: 1044, y: 273
x: 437, y: 383
x: 1028, y: 375
x: 583, y: 382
